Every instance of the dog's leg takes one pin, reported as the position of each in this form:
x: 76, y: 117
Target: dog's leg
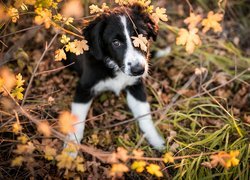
x: 136, y: 97
x: 79, y: 108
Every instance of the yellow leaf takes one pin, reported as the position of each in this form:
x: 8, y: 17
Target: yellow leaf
x: 64, y: 160
x: 13, y: 13
x: 43, y: 17
x: 17, y: 92
x: 25, y: 149
x: 139, y: 166
x: 77, y: 47
x: 118, y: 169
x: 23, y: 139
x: 141, y: 42
x: 16, y: 128
x: 17, y: 161
x: 60, y: 54
x: 69, y: 20
x: 168, y: 157
x: 192, y: 20
x: 212, y: 22
x: 154, y: 170
x: 19, y: 80
x: 160, y: 14
x: 64, y: 39
x: 79, y: 164
x: 94, y: 9
x: 188, y: 38
x: 50, y: 153
x: 66, y: 121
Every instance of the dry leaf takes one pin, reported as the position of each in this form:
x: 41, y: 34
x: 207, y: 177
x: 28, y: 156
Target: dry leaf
x: 60, y: 54
x: 190, y: 39
x: 192, y: 20
x: 212, y: 22
x: 154, y: 170
x: 66, y: 121
x: 141, y: 42
x: 160, y: 14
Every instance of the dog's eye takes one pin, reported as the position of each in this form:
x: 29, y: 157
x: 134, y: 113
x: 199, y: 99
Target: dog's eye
x: 116, y: 43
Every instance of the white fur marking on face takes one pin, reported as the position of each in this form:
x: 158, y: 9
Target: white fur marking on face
x: 146, y: 124
x: 116, y: 84
x: 80, y: 110
x: 132, y: 55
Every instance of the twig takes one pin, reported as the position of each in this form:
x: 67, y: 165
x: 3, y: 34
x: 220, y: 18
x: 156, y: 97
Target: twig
x: 53, y: 70
x: 37, y: 65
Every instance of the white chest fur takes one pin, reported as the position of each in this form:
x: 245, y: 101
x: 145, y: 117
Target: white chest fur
x: 115, y: 84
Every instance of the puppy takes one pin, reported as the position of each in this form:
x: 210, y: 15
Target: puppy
x: 113, y: 63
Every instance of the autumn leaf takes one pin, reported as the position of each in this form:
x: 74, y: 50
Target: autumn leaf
x: 19, y: 80
x: 212, y: 22
x: 17, y: 92
x: 68, y: 21
x: 25, y: 149
x: 7, y: 80
x: 23, y: 139
x: 154, y: 170
x: 18, y: 161
x: 49, y: 153
x: 60, y: 55
x: 122, y: 154
x: 160, y: 14
x: 141, y: 42
x: 168, y: 157
x: 233, y: 161
x: 138, y: 166
x: 77, y: 47
x: 66, y: 121
x: 43, y: 17
x: 13, y: 13
x: 95, y: 9
x: 44, y: 128
x: 16, y: 128
x: 118, y: 169
x: 81, y: 46
x: 64, y: 39
x: 64, y: 160
x: 73, y: 8
x: 192, y: 20
x: 188, y: 38
x: 78, y: 162
x: 138, y: 153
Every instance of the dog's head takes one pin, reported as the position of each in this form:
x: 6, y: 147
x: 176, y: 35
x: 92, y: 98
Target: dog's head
x: 109, y: 38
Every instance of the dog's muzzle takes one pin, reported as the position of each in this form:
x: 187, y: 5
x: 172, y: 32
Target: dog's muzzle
x: 137, y: 69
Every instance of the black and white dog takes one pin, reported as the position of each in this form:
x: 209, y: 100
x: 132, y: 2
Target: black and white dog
x: 113, y: 63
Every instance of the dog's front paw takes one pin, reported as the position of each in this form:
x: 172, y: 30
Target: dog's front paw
x: 157, y: 142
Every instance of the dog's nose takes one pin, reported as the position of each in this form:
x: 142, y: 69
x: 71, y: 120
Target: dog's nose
x: 137, y: 69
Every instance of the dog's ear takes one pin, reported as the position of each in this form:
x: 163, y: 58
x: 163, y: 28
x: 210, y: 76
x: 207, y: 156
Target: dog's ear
x: 152, y: 29
x: 139, y: 12
x: 93, y: 34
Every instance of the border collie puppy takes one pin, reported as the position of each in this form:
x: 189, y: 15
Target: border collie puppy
x: 113, y: 63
